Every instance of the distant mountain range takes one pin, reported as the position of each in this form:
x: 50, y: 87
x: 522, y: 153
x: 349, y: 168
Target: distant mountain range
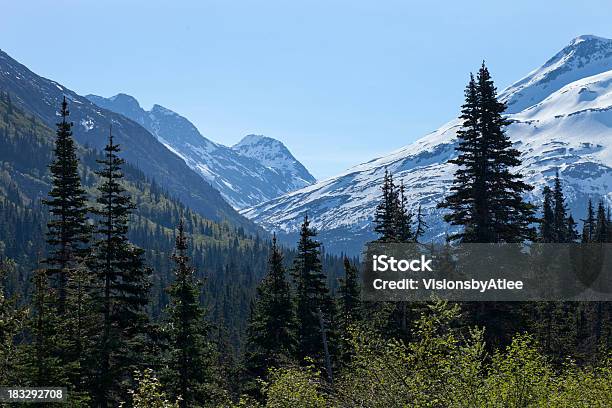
x: 42, y: 97
x: 255, y: 170
x: 561, y: 117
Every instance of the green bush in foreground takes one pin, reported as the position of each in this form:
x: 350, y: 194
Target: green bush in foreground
x: 443, y: 367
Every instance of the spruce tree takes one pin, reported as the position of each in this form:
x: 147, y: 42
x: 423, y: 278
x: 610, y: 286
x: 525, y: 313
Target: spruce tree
x: 68, y: 232
x: 123, y: 285
x: 12, y: 321
x: 80, y: 326
x: 547, y: 225
x: 421, y: 225
x: 486, y: 197
x: 386, y: 215
x: 572, y: 229
x: 42, y: 364
x: 188, y: 374
x: 271, y: 338
x: 602, y: 225
x: 403, y: 217
x: 561, y: 231
x: 589, y: 224
x: 350, y: 309
x: 312, y: 295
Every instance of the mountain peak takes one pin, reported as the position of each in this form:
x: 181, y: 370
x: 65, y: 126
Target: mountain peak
x: 252, y: 139
x: 588, y: 37
x: 125, y: 102
x: 585, y: 56
x: 262, y: 170
x: 162, y: 111
x: 125, y: 98
x: 273, y: 154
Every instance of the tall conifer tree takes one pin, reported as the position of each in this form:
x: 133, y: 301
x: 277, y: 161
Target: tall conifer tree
x: 421, y: 225
x: 271, y: 337
x: 386, y: 215
x: 123, y: 281
x: 602, y: 225
x: 589, y: 224
x: 350, y: 309
x: 561, y: 229
x: 486, y: 197
x: 312, y: 295
x: 547, y: 225
x: 42, y: 364
x: 189, y: 373
x: 403, y: 217
x: 68, y: 231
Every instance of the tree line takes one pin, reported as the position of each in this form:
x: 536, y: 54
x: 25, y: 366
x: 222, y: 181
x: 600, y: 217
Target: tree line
x: 308, y: 351
x: 309, y: 342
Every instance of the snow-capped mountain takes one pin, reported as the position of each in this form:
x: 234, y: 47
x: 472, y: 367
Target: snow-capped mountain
x: 255, y: 170
x: 42, y: 97
x: 275, y: 155
x: 562, y: 120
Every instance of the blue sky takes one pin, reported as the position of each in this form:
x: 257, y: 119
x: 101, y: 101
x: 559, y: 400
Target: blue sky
x: 339, y: 82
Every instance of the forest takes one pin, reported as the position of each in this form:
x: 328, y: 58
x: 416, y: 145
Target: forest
x: 115, y: 290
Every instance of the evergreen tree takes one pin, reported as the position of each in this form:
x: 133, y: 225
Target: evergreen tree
x: 421, y: 225
x: 42, y: 364
x: 188, y: 373
x: 602, y: 224
x: 123, y: 282
x: 68, y: 231
x: 79, y: 327
x: 561, y: 231
x: 572, y: 229
x: 386, y: 215
x: 403, y: 217
x: 271, y: 330
x: 312, y: 296
x: 589, y: 224
x: 547, y: 225
x: 350, y: 309
x: 12, y: 321
x: 486, y: 197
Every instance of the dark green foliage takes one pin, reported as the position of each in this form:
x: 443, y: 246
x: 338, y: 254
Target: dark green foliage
x: 486, y: 197
x: 12, y: 322
x: 312, y: 295
x: 561, y: 229
x: 271, y: 337
x: 547, y: 225
x: 41, y: 364
x: 122, y: 281
x: 602, y: 224
x: 421, y: 225
x: 556, y: 225
x: 403, y: 217
x: 385, y: 217
x: 589, y: 224
x: 350, y: 307
x: 68, y: 232
x: 393, y: 219
x: 188, y: 373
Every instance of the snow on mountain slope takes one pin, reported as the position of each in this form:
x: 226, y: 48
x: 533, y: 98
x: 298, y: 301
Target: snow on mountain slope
x: 274, y: 155
x: 255, y: 170
x: 42, y: 97
x: 585, y: 56
x: 567, y: 129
